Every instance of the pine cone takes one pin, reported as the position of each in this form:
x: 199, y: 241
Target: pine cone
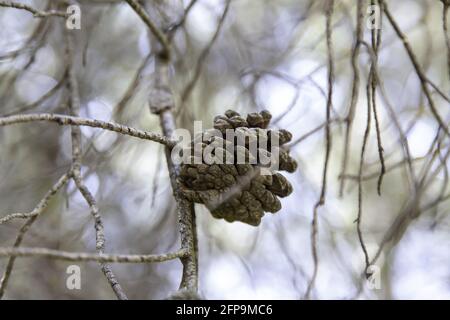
x: 235, y: 190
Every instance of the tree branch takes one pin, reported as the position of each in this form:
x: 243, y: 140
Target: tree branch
x: 74, y: 107
x: 328, y: 140
x: 422, y: 77
x: 77, y: 121
x: 84, y: 256
x: 41, y: 206
x: 161, y: 102
x: 201, y: 59
x: 16, y: 216
x: 354, y: 95
x: 186, y: 213
x: 36, y: 13
x: 165, y: 53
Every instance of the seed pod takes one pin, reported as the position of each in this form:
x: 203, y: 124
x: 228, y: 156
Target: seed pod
x: 229, y: 181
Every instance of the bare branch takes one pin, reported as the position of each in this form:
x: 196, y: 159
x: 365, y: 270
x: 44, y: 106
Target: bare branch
x: 174, y: 27
x: 201, y: 59
x: 445, y: 7
x: 74, y: 107
x: 355, y: 91
x: 321, y: 200
x: 418, y: 69
x: 186, y: 213
x: 38, y: 210
x: 153, y: 28
x: 77, y: 121
x: 36, y: 13
x: 84, y: 256
x: 161, y: 102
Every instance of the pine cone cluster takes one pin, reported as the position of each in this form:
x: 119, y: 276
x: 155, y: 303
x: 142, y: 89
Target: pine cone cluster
x: 235, y: 190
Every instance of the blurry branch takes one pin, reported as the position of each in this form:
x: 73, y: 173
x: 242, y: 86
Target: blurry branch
x: 321, y: 200
x: 28, y: 45
x: 373, y: 175
x: 74, y: 107
x: 260, y: 73
x: 201, y: 59
x: 77, y: 121
x: 34, y: 214
x: 311, y: 132
x: 435, y: 202
x: 36, y: 41
x: 155, y: 181
x: 159, y: 35
x: 446, y: 5
x: 174, y: 27
x: 132, y: 88
x: 438, y: 90
x: 422, y: 77
x: 84, y: 256
x: 403, y: 139
x: 433, y: 153
x: 39, y: 101
x: 36, y: 13
x: 428, y: 179
x: 161, y: 103
x: 411, y: 209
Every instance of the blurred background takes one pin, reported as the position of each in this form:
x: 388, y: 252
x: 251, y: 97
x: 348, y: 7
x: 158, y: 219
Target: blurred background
x: 264, y: 55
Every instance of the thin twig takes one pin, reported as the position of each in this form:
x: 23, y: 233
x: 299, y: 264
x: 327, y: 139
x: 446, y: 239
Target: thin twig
x: 174, y: 27
x: 132, y: 88
x: 418, y: 69
x: 165, y: 53
x: 355, y: 91
x: 161, y: 102
x: 310, y: 133
x: 36, y: 13
x: 39, y: 101
x: 38, y: 210
x: 361, y: 164
x: 13, y: 216
x: 321, y: 200
x: 201, y: 58
x: 85, y: 256
x: 376, y: 43
x: 74, y: 108
x: 77, y: 121
x: 446, y: 5
x: 373, y: 175
x: 186, y: 213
